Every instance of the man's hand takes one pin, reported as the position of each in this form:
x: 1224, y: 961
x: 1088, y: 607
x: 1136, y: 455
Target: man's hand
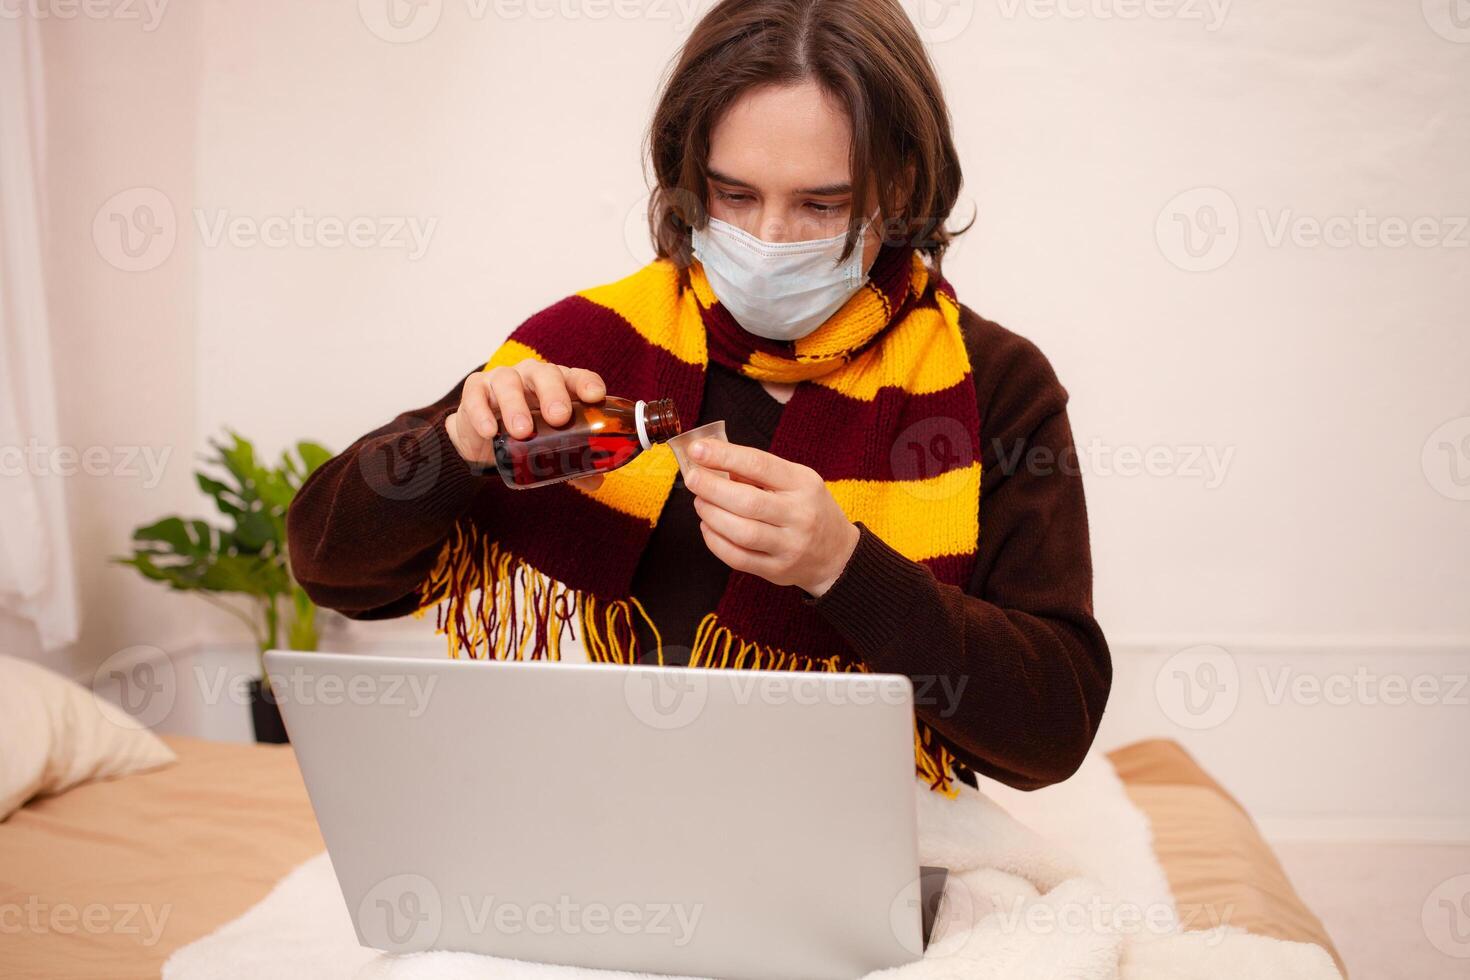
x: 773, y: 518
x: 509, y: 392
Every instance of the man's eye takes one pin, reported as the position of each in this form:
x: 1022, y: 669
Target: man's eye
x: 817, y: 207
x: 731, y: 198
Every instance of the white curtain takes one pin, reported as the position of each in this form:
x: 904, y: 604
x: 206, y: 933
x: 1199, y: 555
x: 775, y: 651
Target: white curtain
x: 37, y: 580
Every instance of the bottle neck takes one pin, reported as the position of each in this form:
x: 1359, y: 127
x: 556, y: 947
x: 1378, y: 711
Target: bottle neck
x: 658, y: 421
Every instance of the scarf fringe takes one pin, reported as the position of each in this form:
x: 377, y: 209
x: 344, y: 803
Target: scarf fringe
x: 491, y: 604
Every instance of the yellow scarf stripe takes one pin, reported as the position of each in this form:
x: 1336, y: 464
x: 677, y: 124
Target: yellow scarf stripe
x: 858, y: 319
x: 511, y: 353
x: 638, y: 489
x: 652, y: 303
x: 916, y: 358
x: 951, y: 524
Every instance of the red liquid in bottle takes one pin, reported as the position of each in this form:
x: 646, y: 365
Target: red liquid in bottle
x: 599, y: 438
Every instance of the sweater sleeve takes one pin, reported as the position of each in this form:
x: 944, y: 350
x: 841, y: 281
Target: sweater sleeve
x: 364, y: 530
x: 1012, y: 672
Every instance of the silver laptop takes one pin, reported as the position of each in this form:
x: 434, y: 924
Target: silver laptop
x: 741, y: 824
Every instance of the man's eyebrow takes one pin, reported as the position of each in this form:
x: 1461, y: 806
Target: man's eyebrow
x: 826, y: 190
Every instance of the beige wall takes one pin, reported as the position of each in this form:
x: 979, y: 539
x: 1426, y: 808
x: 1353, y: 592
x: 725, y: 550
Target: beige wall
x: 1320, y: 537
x: 121, y: 113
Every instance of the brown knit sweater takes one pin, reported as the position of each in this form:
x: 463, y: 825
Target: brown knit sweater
x: 1012, y: 672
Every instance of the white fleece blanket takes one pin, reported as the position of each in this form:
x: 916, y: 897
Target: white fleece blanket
x: 1020, y: 904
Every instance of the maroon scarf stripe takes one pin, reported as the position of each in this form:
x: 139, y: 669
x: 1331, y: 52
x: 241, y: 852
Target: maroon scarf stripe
x: 778, y: 617
x: 952, y: 568
x: 577, y: 332
x: 568, y: 535
x: 891, y: 272
x: 930, y: 433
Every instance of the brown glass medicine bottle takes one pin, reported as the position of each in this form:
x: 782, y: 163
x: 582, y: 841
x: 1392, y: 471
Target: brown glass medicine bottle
x: 597, y: 439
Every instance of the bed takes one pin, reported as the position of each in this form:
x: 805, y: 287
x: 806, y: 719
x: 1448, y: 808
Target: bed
x: 107, y: 879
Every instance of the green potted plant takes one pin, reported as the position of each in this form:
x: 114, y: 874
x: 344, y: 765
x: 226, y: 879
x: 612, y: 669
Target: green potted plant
x: 245, y: 556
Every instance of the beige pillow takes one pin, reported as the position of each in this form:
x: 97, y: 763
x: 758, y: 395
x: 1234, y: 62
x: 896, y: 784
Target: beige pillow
x: 55, y: 734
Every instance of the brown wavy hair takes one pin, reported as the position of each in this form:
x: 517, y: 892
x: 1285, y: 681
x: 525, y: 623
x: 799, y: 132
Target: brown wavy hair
x: 867, y: 55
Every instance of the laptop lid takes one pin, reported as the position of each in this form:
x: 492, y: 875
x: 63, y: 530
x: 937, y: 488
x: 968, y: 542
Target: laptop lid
x: 743, y: 824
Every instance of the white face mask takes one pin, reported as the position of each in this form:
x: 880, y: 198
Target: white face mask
x: 778, y: 290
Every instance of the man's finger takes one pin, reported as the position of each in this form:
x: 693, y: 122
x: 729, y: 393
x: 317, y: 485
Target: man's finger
x: 749, y: 534
x: 586, y: 385
x: 753, y: 502
x: 475, y: 408
x: 732, y: 554
x: 754, y: 465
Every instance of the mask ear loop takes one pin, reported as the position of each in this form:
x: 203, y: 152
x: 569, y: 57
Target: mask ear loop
x: 857, y: 275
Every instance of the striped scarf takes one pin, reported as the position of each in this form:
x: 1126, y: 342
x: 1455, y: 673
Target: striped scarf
x: 888, y: 419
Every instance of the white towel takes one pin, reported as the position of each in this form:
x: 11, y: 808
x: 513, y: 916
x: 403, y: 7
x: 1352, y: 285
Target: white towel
x: 1019, y: 905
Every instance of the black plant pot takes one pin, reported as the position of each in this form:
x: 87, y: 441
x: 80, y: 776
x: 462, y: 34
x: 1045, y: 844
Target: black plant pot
x: 266, y: 715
